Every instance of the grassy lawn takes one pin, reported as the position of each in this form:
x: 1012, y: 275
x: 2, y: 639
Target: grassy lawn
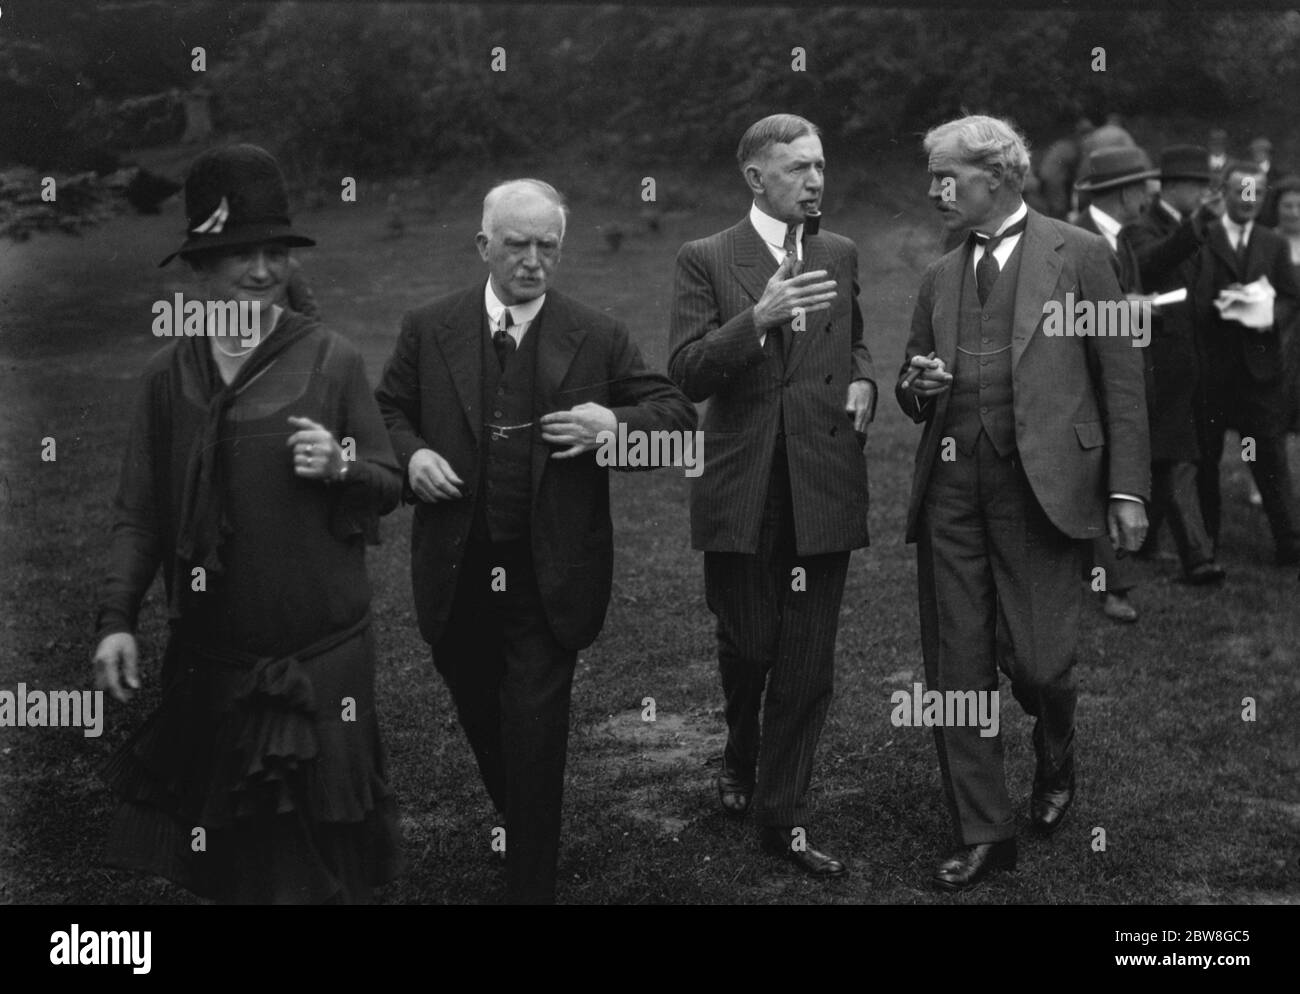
x: 1197, y: 805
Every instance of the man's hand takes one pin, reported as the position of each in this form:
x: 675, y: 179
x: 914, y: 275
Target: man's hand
x: 432, y: 478
x: 577, y: 428
x: 316, y: 456
x: 859, y: 403
x: 1211, y: 207
x: 116, y: 666
x: 808, y: 292
x: 1126, y: 521
x: 929, y: 377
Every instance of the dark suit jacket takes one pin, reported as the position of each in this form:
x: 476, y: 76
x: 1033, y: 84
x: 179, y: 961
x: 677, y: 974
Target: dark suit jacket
x: 715, y: 355
x: 1165, y: 251
x: 1080, y: 405
x: 1231, y: 347
x: 1123, y: 255
x: 430, y: 396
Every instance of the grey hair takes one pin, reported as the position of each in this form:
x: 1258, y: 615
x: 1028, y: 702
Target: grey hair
x: 775, y: 129
x: 985, y: 142
x: 513, y: 188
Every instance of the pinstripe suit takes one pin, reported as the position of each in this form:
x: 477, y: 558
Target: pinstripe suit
x: 784, y: 486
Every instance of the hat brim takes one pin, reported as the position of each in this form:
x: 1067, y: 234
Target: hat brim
x: 1187, y: 174
x: 244, y: 234
x: 1086, y: 185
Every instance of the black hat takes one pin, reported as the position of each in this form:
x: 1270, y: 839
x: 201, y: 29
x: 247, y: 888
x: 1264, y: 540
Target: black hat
x: 1121, y: 165
x: 1186, y: 162
x: 236, y: 196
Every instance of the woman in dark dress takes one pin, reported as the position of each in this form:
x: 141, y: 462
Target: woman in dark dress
x: 255, y: 472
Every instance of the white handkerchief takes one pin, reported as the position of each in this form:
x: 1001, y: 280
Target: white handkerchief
x: 1250, y: 305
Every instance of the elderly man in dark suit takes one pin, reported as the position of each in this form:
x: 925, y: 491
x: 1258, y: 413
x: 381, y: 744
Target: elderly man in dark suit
x: 766, y: 327
x: 1162, y: 247
x: 1243, y: 382
x: 495, y: 398
x: 1116, y: 185
x: 1034, y: 443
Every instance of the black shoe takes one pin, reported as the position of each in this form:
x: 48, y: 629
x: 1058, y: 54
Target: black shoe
x: 1051, y: 799
x: 1205, y: 573
x: 734, y: 793
x: 779, y: 842
x: 971, y: 864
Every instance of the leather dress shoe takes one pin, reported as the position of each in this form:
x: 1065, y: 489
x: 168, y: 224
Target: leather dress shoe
x: 734, y: 793
x: 971, y: 864
x: 1203, y: 574
x: 1117, y: 607
x: 778, y: 842
x: 1051, y: 799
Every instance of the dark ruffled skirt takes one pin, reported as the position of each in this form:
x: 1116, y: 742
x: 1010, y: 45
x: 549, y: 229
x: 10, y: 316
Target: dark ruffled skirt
x: 260, y: 780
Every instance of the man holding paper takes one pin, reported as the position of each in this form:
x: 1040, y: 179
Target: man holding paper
x: 1162, y: 247
x: 1240, y: 268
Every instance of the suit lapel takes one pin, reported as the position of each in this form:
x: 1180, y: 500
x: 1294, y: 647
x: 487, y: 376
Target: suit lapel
x: 1222, y: 248
x: 751, y: 262
x: 559, y: 339
x: 947, y: 305
x: 458, y: 338
x: 1040, y: 268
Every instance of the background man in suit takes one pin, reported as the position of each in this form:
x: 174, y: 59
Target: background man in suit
x: 494, y: 398
x: 1162, y: 245
x: 1243, y: 383
x: 1261, y: 155
x: 1037, y: 455
x: 1116, y: 185
x: 783, y: 496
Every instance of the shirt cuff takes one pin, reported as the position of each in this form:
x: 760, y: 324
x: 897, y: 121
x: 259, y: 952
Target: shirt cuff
x: 1127, y: 497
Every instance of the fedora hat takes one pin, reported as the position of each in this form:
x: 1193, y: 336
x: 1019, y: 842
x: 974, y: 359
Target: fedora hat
x: 1118, y: 166
x: 1186, y: 162
x: 236, y: 196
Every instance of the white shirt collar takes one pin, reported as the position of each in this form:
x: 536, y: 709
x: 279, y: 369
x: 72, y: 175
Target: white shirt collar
x: 520, y: 314
x: 773, y: 231
x: 1012, y: 218
x: 1106, y: 224
x: 1170, y: 209
x: 1236, y: 232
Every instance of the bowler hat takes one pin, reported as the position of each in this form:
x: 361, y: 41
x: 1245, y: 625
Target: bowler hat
x: 1186, y: 162
x: 236, y: 196
x: 1116, y: 166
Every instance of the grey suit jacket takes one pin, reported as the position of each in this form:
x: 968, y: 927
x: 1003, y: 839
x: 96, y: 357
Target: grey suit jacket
x: 1080, y: 402
x: 715, y: 356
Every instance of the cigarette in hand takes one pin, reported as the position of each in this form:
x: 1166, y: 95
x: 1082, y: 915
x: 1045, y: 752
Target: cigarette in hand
x: 912, y: 374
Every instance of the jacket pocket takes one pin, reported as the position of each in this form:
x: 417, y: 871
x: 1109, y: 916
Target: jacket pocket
x: 1090, y: 434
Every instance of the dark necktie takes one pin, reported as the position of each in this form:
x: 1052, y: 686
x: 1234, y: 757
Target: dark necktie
x: 987, y: 269
x: 1242, y: 247
x: 502, y: 340
x: 791, y: 247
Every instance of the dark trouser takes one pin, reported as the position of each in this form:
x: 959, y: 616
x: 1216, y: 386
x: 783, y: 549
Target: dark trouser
x: 1121, y: 574
x: 1174, y: 499
x: 1272, y: 475
x: 993, y: 570
x: 773, y: 635
x: 510, y: 680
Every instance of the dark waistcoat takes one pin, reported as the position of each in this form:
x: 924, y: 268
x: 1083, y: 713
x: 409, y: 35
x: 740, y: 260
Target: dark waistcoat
x: 981, y: 389
x: 505, y: 457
